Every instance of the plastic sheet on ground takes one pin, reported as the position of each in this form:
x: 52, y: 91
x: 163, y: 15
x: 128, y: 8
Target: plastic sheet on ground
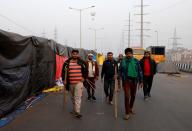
x: 54, y: 89
x: 22, y: 108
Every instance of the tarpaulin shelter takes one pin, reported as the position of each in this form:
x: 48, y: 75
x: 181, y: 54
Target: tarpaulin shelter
x: 59, y: 65
x: 28, y: 66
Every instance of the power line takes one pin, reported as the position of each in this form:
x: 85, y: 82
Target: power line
x: 171, y: 6
x: 12, y: 21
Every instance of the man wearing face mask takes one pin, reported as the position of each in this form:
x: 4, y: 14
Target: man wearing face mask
x: 73, y: 75
x: 93, y: 74
x: 131, y: 74
x: 148, y: 67
x: 109, y: 72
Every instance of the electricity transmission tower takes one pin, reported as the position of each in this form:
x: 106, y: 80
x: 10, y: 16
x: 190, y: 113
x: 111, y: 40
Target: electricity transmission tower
x: 142, y: 22
x: 55, y: 34
x: 175, y: 40
x: 129, y: 30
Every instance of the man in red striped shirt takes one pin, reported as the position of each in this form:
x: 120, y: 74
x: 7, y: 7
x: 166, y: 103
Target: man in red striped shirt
x: 73, y: 74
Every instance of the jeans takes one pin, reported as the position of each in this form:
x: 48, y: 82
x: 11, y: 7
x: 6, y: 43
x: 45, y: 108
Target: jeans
x: 109, y: 86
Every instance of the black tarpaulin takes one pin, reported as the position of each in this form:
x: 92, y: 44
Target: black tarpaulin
x: 62, y: 50
x: 27, y: 66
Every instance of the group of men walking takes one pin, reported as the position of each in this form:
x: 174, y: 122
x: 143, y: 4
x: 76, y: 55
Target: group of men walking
x: 129, y: 72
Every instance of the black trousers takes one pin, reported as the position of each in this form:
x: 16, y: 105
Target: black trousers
x: 90, y: 86
x: 109, y: 86
x: 147, y: 84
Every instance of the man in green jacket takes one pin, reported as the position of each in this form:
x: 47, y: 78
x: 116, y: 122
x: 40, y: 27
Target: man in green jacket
x: 131, y: 74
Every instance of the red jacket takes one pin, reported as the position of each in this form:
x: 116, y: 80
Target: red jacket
x: 153, y: 66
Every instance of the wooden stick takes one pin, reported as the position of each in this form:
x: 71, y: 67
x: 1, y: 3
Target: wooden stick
x: 90, y: 83
x: 116, y: 99
x: 64, y: 91
x: 116, y: 96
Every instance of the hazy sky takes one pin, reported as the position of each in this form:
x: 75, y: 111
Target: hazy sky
x: 40, y: 16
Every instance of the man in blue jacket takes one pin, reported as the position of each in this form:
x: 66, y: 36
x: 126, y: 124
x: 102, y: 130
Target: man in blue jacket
x: 109, y: 72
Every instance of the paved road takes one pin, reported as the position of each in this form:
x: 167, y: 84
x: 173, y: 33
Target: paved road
x: 169, y: 109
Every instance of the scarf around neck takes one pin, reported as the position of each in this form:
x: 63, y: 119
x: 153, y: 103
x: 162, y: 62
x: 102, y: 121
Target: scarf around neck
x: 130, y: 66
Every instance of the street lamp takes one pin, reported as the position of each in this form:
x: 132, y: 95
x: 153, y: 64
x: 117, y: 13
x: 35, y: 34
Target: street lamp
x: 95, y: 30
x: 157, y: 38
x: 80, y: 11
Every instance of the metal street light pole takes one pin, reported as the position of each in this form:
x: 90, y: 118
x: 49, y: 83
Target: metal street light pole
x: 95, y: 39
x: 129, y: 31
x: 157, y: 38
x: 80, y: 30
x: 80, y: 11
x: 141, y: 39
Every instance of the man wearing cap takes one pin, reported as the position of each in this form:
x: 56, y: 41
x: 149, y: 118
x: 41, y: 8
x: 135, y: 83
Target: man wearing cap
x: 93, y: 74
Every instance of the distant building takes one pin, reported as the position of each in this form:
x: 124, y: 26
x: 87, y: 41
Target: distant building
x: 180, y: 55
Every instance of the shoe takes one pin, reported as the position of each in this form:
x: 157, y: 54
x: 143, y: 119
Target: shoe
x: 111, y: 103
x: 72, y: 112
x: 93, y: 97
x: 126, y: 117
x: 78, y: 115
x: 145, y: 98
x: 132, y: 112
x: 89, y: 98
